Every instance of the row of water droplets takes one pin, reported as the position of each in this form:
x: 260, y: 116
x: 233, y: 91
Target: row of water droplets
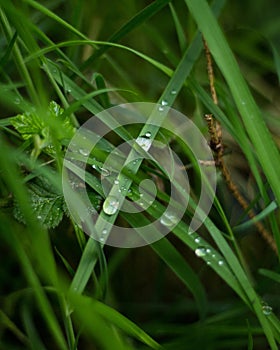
x: 111, y: 203
x: 204, y: 251
x: 164, y: 103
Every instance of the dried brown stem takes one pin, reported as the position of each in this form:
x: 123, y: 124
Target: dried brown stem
x: 216, y: 144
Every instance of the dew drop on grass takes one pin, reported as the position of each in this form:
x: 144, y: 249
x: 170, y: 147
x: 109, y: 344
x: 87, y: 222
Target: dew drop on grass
x: 267, y: 310
x: 148, y: 134
x: 168, y: 219
x: 17, y: 101
x: 39, y: 217
x: 84, y: 152
x: 200, y: 252
x: 111, y: 205
x: 161, y: 108
x: 197, y: 240
x: 173, y: 92
x: 144, y: 142
x: 104, y: 232
x: 105, y: 172
x: 164, y: 103
x: 116, y: 182
x: 220, y: 262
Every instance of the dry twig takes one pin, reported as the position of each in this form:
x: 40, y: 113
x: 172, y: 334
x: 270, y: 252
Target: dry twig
x: 216, y: 144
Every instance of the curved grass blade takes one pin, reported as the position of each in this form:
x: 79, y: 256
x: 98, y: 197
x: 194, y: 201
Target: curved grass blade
x: 105, y: 321
x: 138, y: 19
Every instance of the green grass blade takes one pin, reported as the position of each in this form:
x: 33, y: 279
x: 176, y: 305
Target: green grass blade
x: 138, y: 19
x: 114, y: 317
x: 179, y: 29
x: 88, y: 260
x: 266, y: 150
x: 166, y: 251
x: 270, y: 274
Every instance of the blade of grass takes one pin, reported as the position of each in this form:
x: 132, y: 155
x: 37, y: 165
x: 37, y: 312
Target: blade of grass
x: 5, y: 58
x: 46, y: 12
x: 22, y: 69
x: 88, y: 259
x: 37, y: 236
x: 138, y: 19
x: 108, y: 314
x: 253, y: 300
x: 34, y: 282
x: 7, y: 323
x: 179, y: 29
x: 35, y: 341
x: 266, y: 150
x: 270, y: 274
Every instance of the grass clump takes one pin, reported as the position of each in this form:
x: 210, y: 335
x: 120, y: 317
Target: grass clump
x: 60, y: 64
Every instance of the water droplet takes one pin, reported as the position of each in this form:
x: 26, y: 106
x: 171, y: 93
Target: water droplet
x: 105, y: 172
x: 144, y: 143
x: 173, y: 92
x: 267, y: 310
x: 93, y: 166
x: 116, y: 182
x: 208, y: 250
x: 84, y: 152
x: 101, y: 239
x: 164, y: 103
x: 220, y: 262
x: 200, y: 252
x: 168, y: 219
x: 111, y: 205
x: 148, y: 134
x: 39, y: 217
x: 104, y: 232
x: 197, y: 240
x: 68, y: 90
x: 161, y: 109
x: 208, y: 262
x: 17, y: 101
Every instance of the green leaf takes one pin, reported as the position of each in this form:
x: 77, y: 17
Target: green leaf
x: 47, y: 203
x: 67, y: 129
x: 27, y: 124
x: 31, y: 124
